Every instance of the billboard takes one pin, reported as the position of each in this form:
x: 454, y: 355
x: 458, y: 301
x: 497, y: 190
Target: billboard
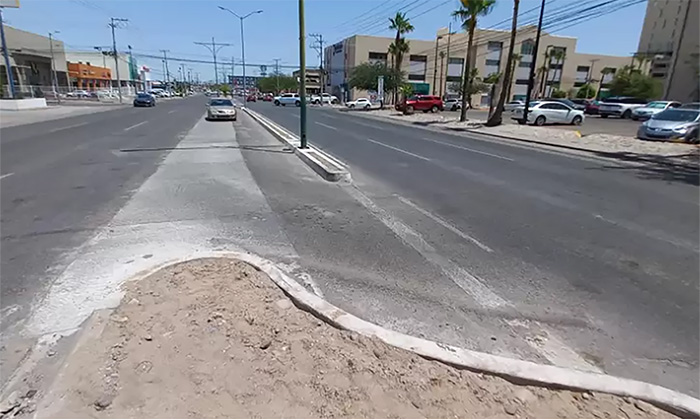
x: 9, y: 3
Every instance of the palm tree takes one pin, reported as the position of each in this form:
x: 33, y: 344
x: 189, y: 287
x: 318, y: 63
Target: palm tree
x: 401, y: 25
x: 559, y: 55
x: 493, y: 80
x: 516, y: 60
x: 467, y: 14
x: 497, y: 117
x: 604, y: 72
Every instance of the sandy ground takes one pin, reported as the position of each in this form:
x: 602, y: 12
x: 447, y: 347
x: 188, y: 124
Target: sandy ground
x: 216, y: 338
x: 595, y: 142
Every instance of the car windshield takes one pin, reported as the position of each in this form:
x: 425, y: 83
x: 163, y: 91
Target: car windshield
x: 656, y: 105
x: 679, y: 115
x: 143, y: 96
x: 221, y: 102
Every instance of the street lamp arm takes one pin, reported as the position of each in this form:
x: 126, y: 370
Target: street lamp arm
x: 251, y: 13
x: 230, y: 11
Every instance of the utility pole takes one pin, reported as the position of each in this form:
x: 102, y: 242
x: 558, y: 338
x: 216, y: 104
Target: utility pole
x: 233, y: 77
x: 442, y: 69
x: 54, y: 76
x: 5, y: 52
x: 435, y: 63
x: 214, y: 48
x: 167, y: 73
x: 114, y: 22
x: 533, y: 65
x: 589, y: 77
x: 447, y: 71
x: 302, y: 75
x: 318, y: 46
x: 131, y: 70
x: 277, y: 74
x: 242, y: 18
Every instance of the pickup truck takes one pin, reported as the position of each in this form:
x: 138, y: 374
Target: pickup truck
x: 326, y: 97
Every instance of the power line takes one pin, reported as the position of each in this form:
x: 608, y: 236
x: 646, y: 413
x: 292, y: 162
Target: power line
x: 215, y: 48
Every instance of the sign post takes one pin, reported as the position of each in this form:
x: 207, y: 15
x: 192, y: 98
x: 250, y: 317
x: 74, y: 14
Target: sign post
x: 380, y: 91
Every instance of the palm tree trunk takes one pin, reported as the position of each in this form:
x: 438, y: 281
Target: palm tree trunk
x: 497, y: 117
x: 465, y: 75
x: 397, y: 64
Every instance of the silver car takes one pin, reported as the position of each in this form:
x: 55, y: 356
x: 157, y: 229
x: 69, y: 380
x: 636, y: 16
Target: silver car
x: 645, y: 112
x: 549, y: 112
x: 672, y: 124
x: 221, y: 109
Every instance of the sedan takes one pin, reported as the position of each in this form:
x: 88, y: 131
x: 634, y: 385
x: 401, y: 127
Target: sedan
x: 144, y: 99
x: 454, y: 104
x: 221, y: 109
x: 363, y: 103
x: 645, y: 112
x: 512, y: 105
x: 672, y: 124
x: 549, y: 112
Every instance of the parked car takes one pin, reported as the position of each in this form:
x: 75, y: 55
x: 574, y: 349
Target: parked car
x: 327, y: 99
x: 620, y: 106
x: 251, y: 98
x: 221, y: 109
x: 454, y: 104
x: 78, y: 94
x: 592, y: 107
x: 645, y: 112
x: 569, y: 102
x: 144, y: 99
x: 423, y: 103
x: 671, y: 124
x: 363, y: 103
x: 268, y: 97
x: 549, y: 112
x: 510, y: 106
x: 690, y: 105
x: 288, y: 99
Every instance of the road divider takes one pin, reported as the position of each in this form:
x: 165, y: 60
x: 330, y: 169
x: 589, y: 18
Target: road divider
x: 330, y: 168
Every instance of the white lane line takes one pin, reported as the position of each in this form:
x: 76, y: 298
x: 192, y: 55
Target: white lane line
x: 468, y: 149
x: 446, y: 225
x: 466, y: 281
x: 135, y: 125
x: 296, y: 115
x: 333, y: 117
x: 174, y: 110
x: 326, y: 125
x: 367, y: 125
x: 6, y: 175
x: 399, y: 150
x: 68, y: 127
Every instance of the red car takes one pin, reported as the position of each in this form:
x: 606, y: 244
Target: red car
x: 423, y: 103
x: 250, y: 98
x: 592, y: 107
x: 267, y: 98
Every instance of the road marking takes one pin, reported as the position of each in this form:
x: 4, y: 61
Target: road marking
x: 466, y: 281
x: 446, y: 225
x: 68, y: 127
x: 468, y: 149
x: 174, y: 110
x: 368, y: 125
x: 296, y: 115
x: 326, y: 125
x: 333, y: 117
x: 6, y: 175
x: 399, y: 150
x: 135, y: 125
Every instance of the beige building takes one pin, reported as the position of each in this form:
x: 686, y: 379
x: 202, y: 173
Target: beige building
x: 670, y: 41
x: 440, y: 76
x: 313, y: 80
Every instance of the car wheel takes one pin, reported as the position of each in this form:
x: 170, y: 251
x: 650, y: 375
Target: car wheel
x: 334, y: 102
x: 277, y: 103
x: 434, y: 109
x: 635, y: 118
x: 627, y: 114
x: 297, y: 103
x: 409, y: 109
x: 367, y: 106
x: 577, y: 120
x: 603, y: 115
x: 692, y: 137
x: 540, y: 120
x: 352, y: 106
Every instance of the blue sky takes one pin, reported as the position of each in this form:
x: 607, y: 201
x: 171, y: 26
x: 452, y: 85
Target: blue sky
x: 175, y: 25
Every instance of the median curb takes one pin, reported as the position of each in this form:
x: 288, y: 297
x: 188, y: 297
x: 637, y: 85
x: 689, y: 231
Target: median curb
x: 330, y: 168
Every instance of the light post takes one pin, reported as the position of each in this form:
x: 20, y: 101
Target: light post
x: 54, y: 78
x: 245, y: 86
x: 435, y: 64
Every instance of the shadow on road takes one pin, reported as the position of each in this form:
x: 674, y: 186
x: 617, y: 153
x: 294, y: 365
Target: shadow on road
x: 264, y: 148
x: 684, y: 168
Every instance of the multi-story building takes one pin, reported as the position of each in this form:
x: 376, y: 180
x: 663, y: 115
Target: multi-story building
x: 128, y: 69
x: 431, y: 71
x: 670, y: 40
x: 313, y: 80
x: 89, y: 77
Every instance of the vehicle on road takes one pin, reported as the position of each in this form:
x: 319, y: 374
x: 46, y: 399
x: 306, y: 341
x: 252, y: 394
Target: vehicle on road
x: 251, y: 98
x: 592, y: 107
x: 221, y: 109
x: 268, y: 97
x: 549, y: 112
x: 512, y: 105
x: 362, y: 103
x: 423, y: 103
x: 671, y: 124
x: 690, y: 105
x: 620, y: 106
x: 454, y: 104
x: 326, y: 97
x: 144, y: 99
x: 645, y: 112
x: 287, y: 99
x: 78, y: 94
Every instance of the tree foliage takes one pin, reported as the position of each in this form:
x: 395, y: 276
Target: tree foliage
x: 586, y: 91
x: 273, y: 81
x: 630, y: 82
x: 558, y: 93
x: 366, y: 75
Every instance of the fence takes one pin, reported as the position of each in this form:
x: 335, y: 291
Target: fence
x: 66, y: 93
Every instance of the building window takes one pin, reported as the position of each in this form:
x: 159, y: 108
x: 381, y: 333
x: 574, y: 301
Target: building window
x: 375, y: 57
x: 420, y: 77
x: 493, y: 62
x: 522, y: 64
x: 521, y: 81
x: 416, y: 67
x: 582, y: 69
x: 454, y: 67
x: 494, y: 46
x: 527, y: 47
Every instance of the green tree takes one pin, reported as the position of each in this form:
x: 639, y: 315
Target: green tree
x: 277, y: 83
x: 497, y: 117
x: 467, y: 14
x: 557, y: 93
x: 400, y: 46
x: 586, y: 91
x: 559, y: 55
x: 492, y: 80
x: 630, y: 82
x: 366, y: 76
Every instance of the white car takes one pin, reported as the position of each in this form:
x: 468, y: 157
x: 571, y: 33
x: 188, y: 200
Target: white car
x: 549, y: 112
x: 653, y: 108
x: 512, y: 105
x: 619, y: 106
x: 327, y: 99
x: 454, y: 104
x: 287, y: 99
x: 363, y: 103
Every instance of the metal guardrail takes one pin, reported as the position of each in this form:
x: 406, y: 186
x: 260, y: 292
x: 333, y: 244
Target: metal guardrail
x: 65, y: 93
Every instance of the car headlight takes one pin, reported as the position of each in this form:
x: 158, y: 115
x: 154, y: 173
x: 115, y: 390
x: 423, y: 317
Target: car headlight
x: 681, y: 129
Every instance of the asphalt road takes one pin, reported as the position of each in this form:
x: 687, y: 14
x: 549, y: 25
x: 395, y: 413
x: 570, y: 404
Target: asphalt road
x: 602, y: 255
x: 63, y: 179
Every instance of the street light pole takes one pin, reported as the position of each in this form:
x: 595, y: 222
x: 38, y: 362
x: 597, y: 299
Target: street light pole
x: 302, y: 76
x: 435, y: 64
x: 54, y: 77
x: 242, y: 18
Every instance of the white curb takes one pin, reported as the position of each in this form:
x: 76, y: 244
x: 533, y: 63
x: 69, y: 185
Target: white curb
x: 518, y: 370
